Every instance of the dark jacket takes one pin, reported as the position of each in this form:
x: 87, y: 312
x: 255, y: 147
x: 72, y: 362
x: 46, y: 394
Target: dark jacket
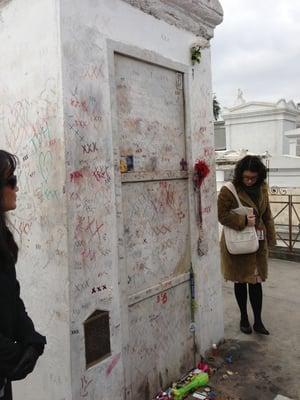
x: 16, y: 328
x: 241, y: 268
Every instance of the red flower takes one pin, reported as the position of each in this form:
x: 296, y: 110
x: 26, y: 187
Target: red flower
x: 201, y: 172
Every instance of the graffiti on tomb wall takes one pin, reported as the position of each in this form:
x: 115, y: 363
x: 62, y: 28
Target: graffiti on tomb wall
x: 29, y: 127
x: 89, y: 171
x: 156, y: 231
x: 166, y: 338
x: 154, y: 139
x: 27, y: 118
x: 89, y: 193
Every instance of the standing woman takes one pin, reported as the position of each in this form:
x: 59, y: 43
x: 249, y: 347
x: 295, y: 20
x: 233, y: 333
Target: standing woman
x: 248, y: 269
x: 20, y: 344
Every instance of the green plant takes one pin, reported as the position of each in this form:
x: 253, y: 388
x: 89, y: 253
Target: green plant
x: 196, y: 54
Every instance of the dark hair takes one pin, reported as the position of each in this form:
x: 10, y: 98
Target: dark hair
x: 249, y: 163
x: 8, y: 246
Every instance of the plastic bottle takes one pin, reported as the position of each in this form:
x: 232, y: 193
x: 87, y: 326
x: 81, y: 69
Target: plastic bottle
x: 196, y: 381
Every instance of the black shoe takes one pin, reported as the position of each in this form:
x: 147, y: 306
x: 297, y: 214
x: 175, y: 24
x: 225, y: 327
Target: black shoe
x: 259, y: 328
x: 246, y: 329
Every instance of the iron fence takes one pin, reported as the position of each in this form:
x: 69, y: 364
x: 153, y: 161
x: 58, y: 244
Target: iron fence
x: 286, y: 211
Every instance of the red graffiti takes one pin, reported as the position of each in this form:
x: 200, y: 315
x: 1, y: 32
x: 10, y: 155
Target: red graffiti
x: 162, y: 298
x: 76, y: 176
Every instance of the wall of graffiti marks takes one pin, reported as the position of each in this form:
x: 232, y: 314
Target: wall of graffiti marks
x: 105, y: 207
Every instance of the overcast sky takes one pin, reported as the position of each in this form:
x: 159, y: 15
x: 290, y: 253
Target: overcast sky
x: 257, y: 49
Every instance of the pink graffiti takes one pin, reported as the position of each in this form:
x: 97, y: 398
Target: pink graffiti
x: 113, y: 363
x: 80, y: 104
x: 209, y: 151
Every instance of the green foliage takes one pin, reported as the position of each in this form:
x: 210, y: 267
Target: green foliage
x: 195, y: 54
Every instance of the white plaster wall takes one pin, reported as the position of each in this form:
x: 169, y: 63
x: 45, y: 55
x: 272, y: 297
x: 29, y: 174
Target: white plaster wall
x: 91, y: 180
x: 284, y: 171
x: 258, y: 135
x: 31, y: 127
x: 208, y: 281
x: 286, y: 126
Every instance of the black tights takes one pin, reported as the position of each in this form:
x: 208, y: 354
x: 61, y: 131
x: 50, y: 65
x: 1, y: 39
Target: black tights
x: 7, y: 392
x: 255, y: 295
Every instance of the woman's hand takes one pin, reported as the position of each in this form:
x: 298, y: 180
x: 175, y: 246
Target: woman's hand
x: 251, y: 220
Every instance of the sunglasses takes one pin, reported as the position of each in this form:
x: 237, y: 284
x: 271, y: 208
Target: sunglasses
x: 11, y: 181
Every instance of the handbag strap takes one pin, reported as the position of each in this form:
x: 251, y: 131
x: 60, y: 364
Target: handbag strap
x: 231, y: 187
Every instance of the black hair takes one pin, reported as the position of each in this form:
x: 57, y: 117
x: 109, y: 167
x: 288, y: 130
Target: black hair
x: 8, y: 246
x: 249, y: 163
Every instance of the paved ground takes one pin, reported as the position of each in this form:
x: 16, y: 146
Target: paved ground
x: 266, y: 366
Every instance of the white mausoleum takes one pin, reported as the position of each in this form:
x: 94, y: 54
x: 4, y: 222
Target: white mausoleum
x: 266, y: 129
x: 260, y: 126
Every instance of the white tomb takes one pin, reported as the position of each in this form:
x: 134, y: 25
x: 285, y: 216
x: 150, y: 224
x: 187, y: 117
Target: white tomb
x: 260, y: 126
x: 105, y: 257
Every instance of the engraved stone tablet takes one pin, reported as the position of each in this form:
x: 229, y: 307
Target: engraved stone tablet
x: 97, y: 337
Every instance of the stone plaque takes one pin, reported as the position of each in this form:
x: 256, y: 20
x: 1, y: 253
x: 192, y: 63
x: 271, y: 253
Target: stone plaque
x: 97, y: 337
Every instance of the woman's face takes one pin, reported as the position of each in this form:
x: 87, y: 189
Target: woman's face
x: 249, y: 178
x: 9, y: 201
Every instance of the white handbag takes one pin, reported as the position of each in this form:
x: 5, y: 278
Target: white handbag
x: 244, y: 241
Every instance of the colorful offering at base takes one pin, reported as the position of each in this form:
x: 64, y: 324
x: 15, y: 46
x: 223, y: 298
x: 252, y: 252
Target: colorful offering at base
x: 191, y: 382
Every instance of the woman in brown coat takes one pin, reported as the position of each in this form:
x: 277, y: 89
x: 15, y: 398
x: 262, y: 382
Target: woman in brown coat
x: 252, y: 269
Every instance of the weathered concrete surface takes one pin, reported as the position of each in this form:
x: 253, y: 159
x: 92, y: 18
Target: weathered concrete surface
x: 266, y: 366
x: 197, y: 16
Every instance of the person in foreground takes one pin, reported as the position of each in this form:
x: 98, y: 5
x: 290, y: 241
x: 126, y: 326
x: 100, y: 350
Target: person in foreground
x: 248, y: 269
x: 20, y: 344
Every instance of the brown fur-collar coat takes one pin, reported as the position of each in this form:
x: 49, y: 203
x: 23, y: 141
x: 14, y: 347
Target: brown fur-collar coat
x: 241, y: 268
